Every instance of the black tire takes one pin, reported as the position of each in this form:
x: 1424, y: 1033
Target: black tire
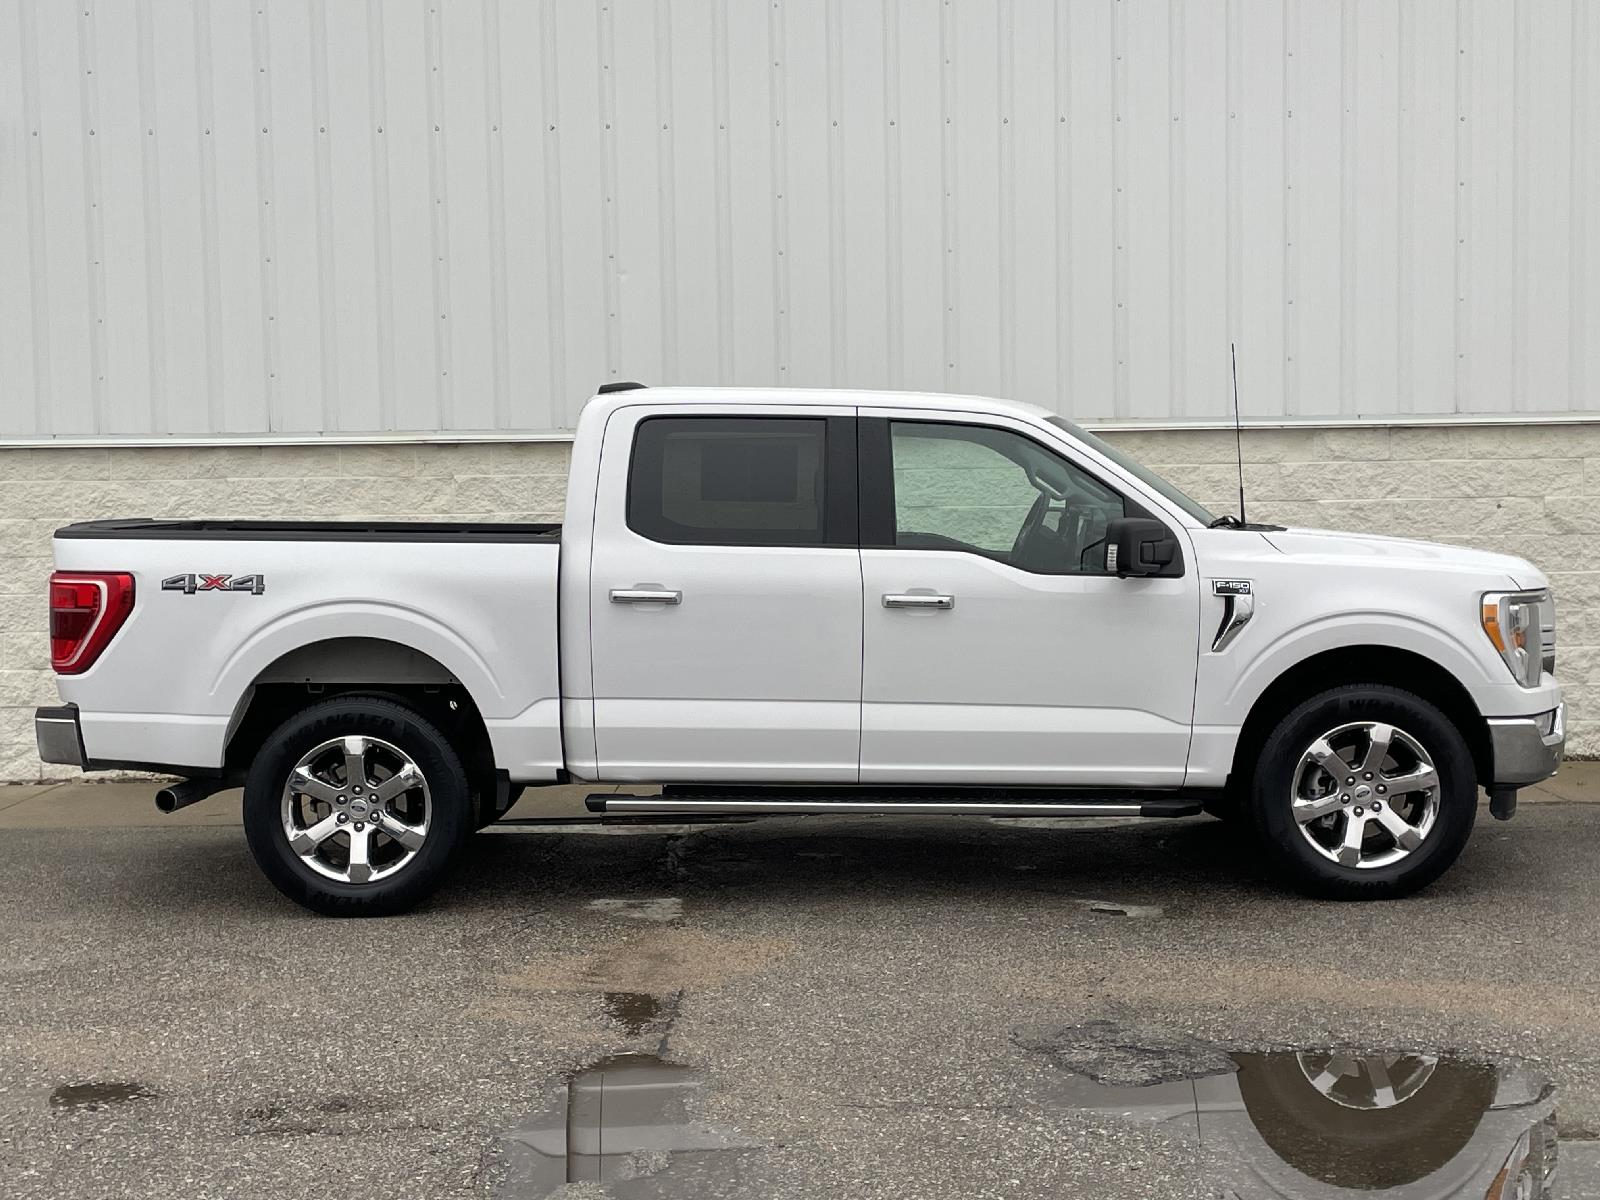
x: 1287, y: 851
x: 451, y: 820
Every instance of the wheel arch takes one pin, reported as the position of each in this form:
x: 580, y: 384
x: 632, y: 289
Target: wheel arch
x: 318, y: 625
x: 319, y: 670
x: 1371, y: 664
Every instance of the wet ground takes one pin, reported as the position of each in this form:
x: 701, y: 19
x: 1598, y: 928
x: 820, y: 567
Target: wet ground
x: 824, y: 1007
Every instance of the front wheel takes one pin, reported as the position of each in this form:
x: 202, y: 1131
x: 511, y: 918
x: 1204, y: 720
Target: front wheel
x: 356, y: 807
x: 1364, y: 792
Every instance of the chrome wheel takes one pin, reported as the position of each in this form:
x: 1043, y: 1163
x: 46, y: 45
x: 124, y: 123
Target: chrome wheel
x: 1366, y: 1081
x: 1366, y: 794
x: 356, y: 809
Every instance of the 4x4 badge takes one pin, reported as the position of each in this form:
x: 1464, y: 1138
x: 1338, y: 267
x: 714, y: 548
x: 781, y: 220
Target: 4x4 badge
x: 190, y: 584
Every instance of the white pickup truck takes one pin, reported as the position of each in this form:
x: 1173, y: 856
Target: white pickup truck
x: 797, y: 602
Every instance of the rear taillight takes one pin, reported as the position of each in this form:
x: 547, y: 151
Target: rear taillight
x: 86, y: 610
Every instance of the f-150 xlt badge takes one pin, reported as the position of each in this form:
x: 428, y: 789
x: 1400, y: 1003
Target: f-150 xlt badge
x: 190, y: 584
x: 1238, y: 606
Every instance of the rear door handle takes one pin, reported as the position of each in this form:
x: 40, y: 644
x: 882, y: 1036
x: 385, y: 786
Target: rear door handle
x: 641, y: 595
x: 917, y: 600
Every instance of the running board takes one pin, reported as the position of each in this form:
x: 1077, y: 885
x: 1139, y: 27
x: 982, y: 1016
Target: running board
x: 692, y: 806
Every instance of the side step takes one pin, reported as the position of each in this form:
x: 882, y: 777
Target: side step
x: 985, y: 802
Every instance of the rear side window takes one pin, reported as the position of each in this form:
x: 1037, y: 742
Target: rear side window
x: 730, y: 481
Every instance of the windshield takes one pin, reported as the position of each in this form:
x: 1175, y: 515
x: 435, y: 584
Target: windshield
x: 1137, y: 469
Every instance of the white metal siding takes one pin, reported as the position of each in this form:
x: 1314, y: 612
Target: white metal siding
x: 234, y: 216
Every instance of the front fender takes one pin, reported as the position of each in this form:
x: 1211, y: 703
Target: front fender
x: 1230, y: 690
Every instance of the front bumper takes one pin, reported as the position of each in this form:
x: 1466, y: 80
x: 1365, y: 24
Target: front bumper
x: 58, y: 735
x: 1527, y: 749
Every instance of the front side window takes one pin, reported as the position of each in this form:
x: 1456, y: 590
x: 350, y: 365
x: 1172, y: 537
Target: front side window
x: 996, y: 493
x: 729, y: 481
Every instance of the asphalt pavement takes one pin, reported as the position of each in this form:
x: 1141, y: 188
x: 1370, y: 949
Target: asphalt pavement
x: 811, y: 1007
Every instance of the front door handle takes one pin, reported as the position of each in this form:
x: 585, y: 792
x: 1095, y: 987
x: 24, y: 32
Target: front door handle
x: 644, y: 595
x: 917, y: 600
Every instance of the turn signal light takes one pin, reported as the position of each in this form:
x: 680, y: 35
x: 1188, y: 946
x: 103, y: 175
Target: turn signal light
x: 86, y: 610
x: 1515, y: 623
x: 1491, y: 624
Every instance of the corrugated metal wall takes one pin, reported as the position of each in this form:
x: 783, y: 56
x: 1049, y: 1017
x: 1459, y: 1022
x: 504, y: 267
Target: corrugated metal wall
x: 303, y: 215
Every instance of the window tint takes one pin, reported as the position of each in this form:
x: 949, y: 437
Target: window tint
x: 729, y: 481
x: 996, y: 493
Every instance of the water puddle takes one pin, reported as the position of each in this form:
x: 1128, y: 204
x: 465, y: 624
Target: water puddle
x: 1301, y: 1122
x: 624, y: 1122
x: 1311, y: 1124
x: 634, y: 1011
x: 92, y: 1097
x: 658, y: 908
x: 1110, y: 908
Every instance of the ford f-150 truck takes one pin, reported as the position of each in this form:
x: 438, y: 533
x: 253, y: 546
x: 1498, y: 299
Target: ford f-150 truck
x: 800, y: 602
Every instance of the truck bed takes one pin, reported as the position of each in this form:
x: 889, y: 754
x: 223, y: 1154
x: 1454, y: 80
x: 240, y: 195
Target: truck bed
x: 478, y: 600
x: 150, y: 529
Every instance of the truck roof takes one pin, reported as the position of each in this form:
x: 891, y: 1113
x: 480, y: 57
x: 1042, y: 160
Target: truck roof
x: 824, y: 396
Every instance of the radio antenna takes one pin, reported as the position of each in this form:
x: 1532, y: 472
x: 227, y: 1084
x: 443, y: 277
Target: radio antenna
x: 1238, y: 432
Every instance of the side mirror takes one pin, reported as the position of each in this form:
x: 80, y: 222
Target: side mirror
x: 1140, y: 546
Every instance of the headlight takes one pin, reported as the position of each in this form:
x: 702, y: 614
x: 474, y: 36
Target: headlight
x: 1522, y: 626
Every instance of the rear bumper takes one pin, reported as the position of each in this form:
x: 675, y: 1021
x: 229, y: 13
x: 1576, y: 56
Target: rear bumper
x: 1527, y: 750
x: 160, y: 743
x: 59, y: 736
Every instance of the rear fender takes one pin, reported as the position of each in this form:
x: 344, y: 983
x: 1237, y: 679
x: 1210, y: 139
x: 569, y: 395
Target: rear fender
x: 358, y: 619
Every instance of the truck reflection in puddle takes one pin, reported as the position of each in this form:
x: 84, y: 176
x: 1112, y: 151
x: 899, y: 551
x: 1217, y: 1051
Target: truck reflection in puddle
x: 1307, y: 1124
x: 623, y: 1122
x: 1320, y: 1122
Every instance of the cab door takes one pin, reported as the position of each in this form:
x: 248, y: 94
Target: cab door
x: 996, y: 647
x: 725, y: 595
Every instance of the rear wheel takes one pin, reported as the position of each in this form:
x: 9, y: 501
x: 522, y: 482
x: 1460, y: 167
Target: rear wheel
x: 1364, y: 792
x: 356, y: 806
